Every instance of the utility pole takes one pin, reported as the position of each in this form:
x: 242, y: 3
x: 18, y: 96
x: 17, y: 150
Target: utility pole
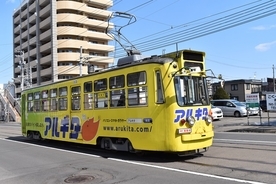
x: 20, y: 53
x: 80, y: 60
x: 83, y: 60
x: 29, y: 76
x: 273, y: 79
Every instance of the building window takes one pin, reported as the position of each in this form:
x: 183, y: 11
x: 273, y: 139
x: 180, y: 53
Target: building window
x: 234, y: 87
x: 247, y: 86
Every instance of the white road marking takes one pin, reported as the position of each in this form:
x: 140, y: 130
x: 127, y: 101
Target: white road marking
x: 145, y: 165
x: 85, y: 154
x: 187, y: 172
x: 245, y: 141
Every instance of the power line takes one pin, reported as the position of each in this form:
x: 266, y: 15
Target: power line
x: 226, y: 22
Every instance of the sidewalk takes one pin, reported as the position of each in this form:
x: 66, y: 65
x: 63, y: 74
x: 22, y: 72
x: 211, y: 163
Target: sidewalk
x: 254, y: 124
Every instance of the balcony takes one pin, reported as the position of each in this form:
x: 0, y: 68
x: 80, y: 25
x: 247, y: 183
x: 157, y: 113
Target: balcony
x: 25, y: 34
x: 45, y: 12
x: 32, y: 19
x: 44, y: 3
x: 16, y: 60
x: 17, y: 70
x: 46, y: 59
x: 68, y: 56
x: 33, y: 52
x: 45, y: 24
x: 17, y: 19
x: 32, y: 30
x: 46, y: 36
x: 24, y: 24
x: 25, y: 45
x: 104, y: 3
x: 17, y: 29
x: 32, y: 6
x: 71, y: 70
x: 17, y: 39
x: 46, y: 47
x: 24, y: 13
x: 85, y: 45
x: 46, y: 72
x: 32, y: 41
x: 68, y: 17
x: 79, y: 6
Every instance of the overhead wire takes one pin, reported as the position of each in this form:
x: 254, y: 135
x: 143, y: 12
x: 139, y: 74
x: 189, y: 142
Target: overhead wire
x: 196, y: 31
x: 146, y: 45
x: 193, y: 22
x: 207, y: 28
x: 236, y: 66
x: 196, y: 35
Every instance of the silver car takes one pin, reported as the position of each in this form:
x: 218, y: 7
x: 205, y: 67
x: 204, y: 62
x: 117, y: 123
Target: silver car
x: 230, y: 107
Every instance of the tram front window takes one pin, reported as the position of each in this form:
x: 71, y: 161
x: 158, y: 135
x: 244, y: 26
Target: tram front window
x: 191, y: 90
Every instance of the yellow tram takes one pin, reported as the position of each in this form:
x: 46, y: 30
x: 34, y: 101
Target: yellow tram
x: 159, y: 103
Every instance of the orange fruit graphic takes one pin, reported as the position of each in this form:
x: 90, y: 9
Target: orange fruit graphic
x: 89, y: 129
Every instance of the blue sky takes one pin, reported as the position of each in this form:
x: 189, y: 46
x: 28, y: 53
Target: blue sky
x: 246, y: 51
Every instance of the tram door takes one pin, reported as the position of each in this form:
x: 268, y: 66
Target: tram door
x: 75, y: 111
x: 23, y: 114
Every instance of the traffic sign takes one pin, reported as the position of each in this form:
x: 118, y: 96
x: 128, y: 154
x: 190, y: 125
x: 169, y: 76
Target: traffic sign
x: 252, y: 100
x: 271, y: 102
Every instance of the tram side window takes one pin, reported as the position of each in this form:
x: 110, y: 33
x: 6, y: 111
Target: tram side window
x: 36, y: 101
x: 88, y: 101
x: 30, y: 103
x: 45, y: 103
x: 137, y: 78
x: 101, y: 98
x: 137, y: 95
x: 63, y: 98
x: 100, y: 85
x: 117, y: 98
x: 159, y: 88
x: 63, y: 103
x: 76, y: 100
x: 88, y: 96
x: 117, y: 82
x: 53, y: 100
x: 63, y: 91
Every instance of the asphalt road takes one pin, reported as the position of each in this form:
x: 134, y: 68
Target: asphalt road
x: 233, y: 158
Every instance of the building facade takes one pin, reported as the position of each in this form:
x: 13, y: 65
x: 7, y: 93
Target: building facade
x: 52, y: 37
x: 237, y: 89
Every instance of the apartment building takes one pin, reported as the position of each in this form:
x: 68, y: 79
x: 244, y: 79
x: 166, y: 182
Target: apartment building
x: 51, y: 37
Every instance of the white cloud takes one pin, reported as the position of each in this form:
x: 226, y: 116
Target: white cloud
x: 261, y: 28
x: 265, y: 46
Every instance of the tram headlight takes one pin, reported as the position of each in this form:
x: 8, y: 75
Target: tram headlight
x: 208, y: 119
x: 191, y: 120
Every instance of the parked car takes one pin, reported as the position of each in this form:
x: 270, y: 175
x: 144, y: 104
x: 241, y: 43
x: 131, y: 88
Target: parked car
x: 252, y: 110
x: 230, y: 107
x: 217, y: 113
x: 263, y: 105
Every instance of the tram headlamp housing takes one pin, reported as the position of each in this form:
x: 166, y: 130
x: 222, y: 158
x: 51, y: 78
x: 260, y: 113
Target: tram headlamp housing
x: 191, y: 120
x: 208, y: 119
